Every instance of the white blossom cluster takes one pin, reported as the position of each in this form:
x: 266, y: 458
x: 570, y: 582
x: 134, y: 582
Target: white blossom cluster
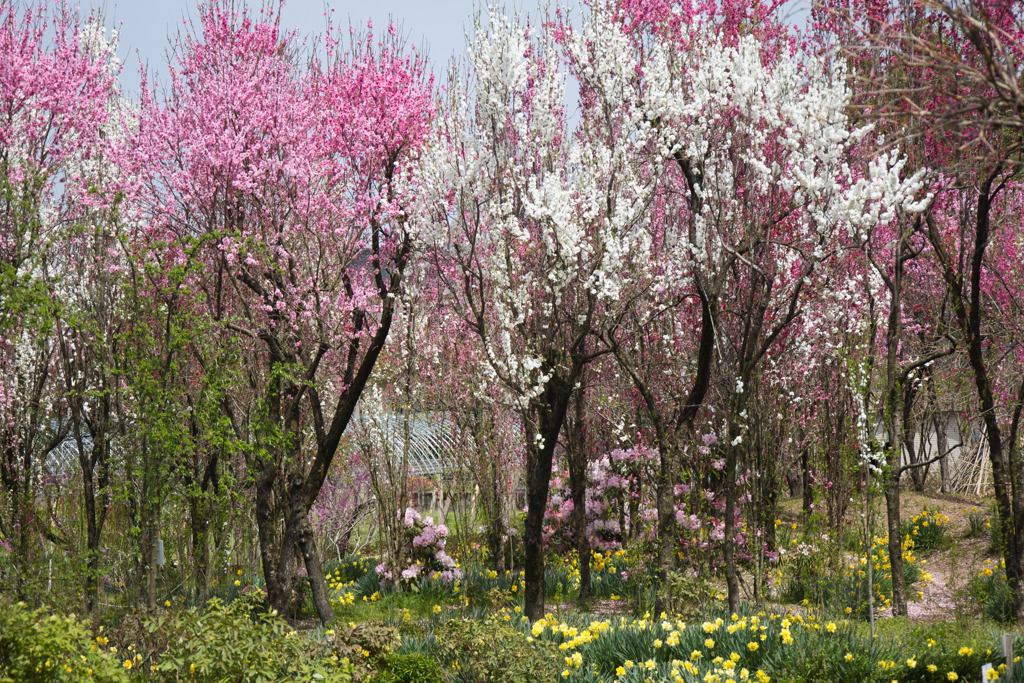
x: 543, y: 216
x: 782, y: 128
x: 550, y: 224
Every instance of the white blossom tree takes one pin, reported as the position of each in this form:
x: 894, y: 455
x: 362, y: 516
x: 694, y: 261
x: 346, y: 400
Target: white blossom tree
x: 761, y: 149
x: 536, y: 221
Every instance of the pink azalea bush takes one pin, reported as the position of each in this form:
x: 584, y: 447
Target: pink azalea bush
x: 621, y: 506
x: 423, y: 555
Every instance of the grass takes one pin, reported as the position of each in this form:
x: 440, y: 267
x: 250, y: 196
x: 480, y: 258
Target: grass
x: 815, y: 639
x: 977, y: 525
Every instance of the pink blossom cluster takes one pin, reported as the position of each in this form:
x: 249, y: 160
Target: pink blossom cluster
x: 620, y: 504
x: 616, y: 483
x: 424, y: 551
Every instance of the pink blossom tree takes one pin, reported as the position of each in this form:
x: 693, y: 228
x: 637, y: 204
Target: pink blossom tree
x: 55, y: 91
x: 288, y: 184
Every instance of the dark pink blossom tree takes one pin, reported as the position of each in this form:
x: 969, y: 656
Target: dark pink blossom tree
x: 944, y: 76
x: 287, y: 185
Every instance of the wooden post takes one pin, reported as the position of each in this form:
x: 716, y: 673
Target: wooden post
x: 1006, y: 645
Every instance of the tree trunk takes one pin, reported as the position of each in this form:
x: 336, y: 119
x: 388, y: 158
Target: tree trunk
x: 915, y: 455
x: 898, y: 400
x: 582, y: 546
x: 150, y: 505
x: 620, y: 498
x: 150, y: 552
x: 665, y: 492
x: 92, y: 542
x: 968, y: 315
x: 201, y: 481
x: 668, y: 438
x: 767, y: 484
x: 23, y: 516
x: 1004, y: 505
x: 729, y: 481
x: 550, y: 410
x: 538, y: 476
x: 807, y: 486
x: 577, y: 457
x: 314, y: 570
x: 634, y: 507
x: 892, y: 509
x: 942, y: 444
x: 275, y: 558
x: 731, y: 573
x: 496, y: 521
x: 18, y: 481
x: 200, y: 549
x: 94, y: 530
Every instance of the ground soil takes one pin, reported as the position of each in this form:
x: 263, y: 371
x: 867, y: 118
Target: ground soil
x: 950, y: 568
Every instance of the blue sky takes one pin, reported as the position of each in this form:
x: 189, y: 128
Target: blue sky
x: 146, y: 24
x: 437, y: 27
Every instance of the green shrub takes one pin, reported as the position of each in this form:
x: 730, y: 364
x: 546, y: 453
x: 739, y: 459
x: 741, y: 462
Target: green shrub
x: 807, y: 575
x: 409, y: 668
x: 226, y: 643
x: 488, y: 588
x: 689, y: 596
x: 36, y: 646
x: 250, y: 586
x: 490, y: 650
x: 365, y: 646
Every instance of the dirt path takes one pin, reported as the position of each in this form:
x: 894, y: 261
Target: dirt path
x: 938, y: 602
x: 950, y: 567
